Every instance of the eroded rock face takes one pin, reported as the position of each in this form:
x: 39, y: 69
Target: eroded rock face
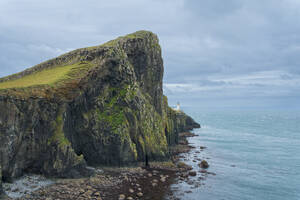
x: 1, y: 189
x: 114, y: 114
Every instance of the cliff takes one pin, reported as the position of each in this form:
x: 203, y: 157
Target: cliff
x: 101, y: 105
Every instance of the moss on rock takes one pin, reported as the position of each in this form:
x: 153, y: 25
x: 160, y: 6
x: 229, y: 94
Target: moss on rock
x: 58, y: 135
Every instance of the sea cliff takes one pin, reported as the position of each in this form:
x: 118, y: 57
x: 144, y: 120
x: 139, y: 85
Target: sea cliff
x: 98, y: 106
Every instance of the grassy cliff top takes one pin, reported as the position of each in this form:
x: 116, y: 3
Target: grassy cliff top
x: 58, y: 81
x: 45, y: 77
x: 63, y: 68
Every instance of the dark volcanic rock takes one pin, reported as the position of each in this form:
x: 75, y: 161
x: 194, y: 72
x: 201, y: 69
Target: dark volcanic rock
x: 192, y: 173
x: 109, y: 111
x: 203, y: 164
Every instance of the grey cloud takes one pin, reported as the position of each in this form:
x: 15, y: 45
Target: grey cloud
x: 201, y: 39
x: 213, y: 8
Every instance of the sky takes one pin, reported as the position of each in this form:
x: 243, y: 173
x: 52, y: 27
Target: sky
x: 240, y: 54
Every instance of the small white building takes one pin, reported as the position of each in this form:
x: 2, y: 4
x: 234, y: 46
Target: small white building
x: 177, y: 106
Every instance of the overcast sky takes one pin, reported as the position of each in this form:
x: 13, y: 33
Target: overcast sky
x: 217, y: 53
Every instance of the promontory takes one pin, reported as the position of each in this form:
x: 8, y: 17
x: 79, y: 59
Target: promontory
x: 97, y: 106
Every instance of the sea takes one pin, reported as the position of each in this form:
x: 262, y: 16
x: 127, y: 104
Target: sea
x: 253, y: 155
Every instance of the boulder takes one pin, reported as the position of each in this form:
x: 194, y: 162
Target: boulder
x: 122, y: 197
x: 192, y: 173
x: 203, y: 164
x: 139, y: 194
x: 184, y: 166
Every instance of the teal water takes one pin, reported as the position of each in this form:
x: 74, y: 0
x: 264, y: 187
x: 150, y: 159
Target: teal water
x: 255, y: 155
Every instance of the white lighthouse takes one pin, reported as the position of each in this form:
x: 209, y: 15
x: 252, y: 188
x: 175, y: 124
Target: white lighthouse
x: 178, y: 106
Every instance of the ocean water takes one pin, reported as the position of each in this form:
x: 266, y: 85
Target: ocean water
x: 254, y: 154
x: 25, y: 185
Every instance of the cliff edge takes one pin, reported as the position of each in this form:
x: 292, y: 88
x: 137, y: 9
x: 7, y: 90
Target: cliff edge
x: 101, y: 105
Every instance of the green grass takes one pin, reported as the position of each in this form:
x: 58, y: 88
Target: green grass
x: 46, y: 77
x: 113, y: 114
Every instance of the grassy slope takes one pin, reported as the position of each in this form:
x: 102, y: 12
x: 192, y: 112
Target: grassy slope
x: 56, y: 75
x: 48, y: 76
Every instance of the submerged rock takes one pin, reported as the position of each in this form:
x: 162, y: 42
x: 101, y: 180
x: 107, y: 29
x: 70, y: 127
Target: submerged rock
x: 192, y: 173
x: 100, y: 105
x: 204, y: 164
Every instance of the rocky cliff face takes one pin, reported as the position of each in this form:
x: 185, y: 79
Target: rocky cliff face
x: 1, y: 189
x: 100, y: 105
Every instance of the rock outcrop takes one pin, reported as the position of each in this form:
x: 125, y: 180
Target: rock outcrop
x: 100, y: 105
x: 176, y: 122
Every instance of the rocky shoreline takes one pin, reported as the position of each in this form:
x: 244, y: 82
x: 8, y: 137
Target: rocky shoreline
x: 152, y: 182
